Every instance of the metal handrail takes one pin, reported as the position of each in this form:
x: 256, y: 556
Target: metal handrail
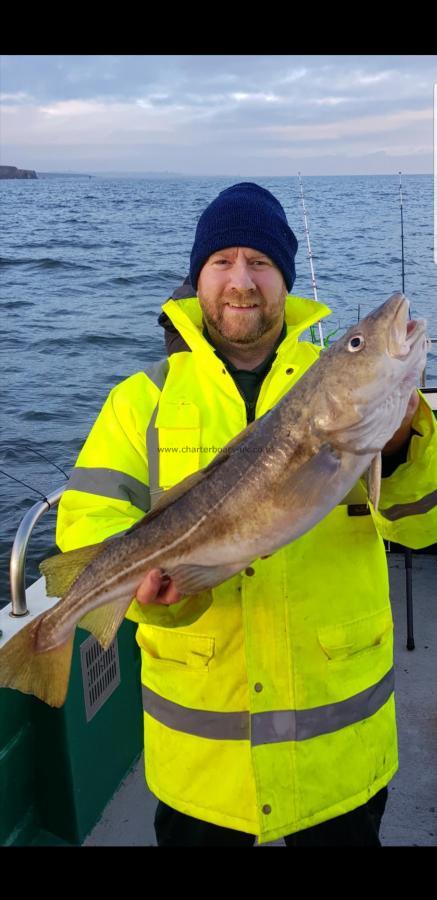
x: 17, y: 566
x: 430, y: 340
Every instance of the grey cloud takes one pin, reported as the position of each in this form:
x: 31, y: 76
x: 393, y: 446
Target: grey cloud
x: 208, y: 124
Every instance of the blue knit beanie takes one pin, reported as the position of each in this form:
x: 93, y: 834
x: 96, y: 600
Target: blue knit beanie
x: 245, y: 215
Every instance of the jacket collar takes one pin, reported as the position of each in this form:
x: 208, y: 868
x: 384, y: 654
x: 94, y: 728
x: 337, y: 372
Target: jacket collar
x: 186, y: 316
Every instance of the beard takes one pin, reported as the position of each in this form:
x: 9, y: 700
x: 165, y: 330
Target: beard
x: 237, y: 327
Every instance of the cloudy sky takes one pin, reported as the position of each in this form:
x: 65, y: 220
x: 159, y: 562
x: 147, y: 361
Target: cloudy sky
x: 218, y: 115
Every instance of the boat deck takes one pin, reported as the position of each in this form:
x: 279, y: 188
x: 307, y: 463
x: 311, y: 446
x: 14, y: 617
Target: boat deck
x: 411, y: 814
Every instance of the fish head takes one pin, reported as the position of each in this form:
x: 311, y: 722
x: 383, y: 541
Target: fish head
x: 369, y: 375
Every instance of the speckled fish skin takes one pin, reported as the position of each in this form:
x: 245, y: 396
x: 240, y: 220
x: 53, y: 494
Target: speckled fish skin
x: 275, y: 481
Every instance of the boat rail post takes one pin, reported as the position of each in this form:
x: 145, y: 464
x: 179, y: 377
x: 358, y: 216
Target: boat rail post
x: 430, y: 341
x: 17, y: 567
x: 408, y: 558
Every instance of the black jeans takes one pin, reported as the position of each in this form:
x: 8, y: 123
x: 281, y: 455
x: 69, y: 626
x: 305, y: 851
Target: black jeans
x: 358, y: 828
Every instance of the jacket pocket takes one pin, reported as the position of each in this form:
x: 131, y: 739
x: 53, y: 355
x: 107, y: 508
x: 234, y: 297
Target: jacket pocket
x: 169, y: 647
x: 351, y: 639
x: 178, y: 424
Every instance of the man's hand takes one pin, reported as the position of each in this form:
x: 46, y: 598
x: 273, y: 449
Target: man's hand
x: 403, y: 434
x: 157, y: 588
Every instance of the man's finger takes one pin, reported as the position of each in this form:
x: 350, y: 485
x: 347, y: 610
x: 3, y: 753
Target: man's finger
x: 157, y: 588
x: 149, y: 587
x: 169, y: 596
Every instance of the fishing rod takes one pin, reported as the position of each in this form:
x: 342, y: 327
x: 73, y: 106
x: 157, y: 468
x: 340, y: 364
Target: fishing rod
x: 310, y: 256
x: 50, y: 461
x: 401, y: 203
x: 19, y: 481
x: 29, y: 486
x: 408, y: 555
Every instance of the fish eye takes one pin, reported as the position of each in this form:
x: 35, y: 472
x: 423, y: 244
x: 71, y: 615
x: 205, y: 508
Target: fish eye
x: 356, y: 343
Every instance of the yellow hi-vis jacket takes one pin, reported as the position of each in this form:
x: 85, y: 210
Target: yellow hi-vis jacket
x: 274, y: 709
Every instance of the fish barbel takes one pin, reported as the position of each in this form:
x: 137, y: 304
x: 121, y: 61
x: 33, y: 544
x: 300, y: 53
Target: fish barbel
x: 289, y: 468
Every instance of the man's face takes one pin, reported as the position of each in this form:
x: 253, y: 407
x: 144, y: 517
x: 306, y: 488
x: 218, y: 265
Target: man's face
x: 242, y: 294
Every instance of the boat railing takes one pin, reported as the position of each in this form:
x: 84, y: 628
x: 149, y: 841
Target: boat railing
x: 430, y: 340
x: 17, y: 567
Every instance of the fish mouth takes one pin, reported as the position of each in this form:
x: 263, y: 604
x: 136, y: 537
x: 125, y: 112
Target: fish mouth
x: 404, y: 333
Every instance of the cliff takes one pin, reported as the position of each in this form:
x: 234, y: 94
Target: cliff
x: 13, y: 172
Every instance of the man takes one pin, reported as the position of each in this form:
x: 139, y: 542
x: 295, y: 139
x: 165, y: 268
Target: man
x: 270, y: 710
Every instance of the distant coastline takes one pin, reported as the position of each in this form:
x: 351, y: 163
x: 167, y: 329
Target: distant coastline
x: 13, y: 172
x: 64, y: 175
x: 8, y: 172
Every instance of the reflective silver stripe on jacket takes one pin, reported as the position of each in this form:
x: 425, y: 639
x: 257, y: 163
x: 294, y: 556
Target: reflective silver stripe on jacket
x: 224, y: 726
x: 270, y: 727
x: 153, y: 460
x: 110, y: 483
x: 300, y: 724
x: 157, y: 373
x: 415, y: 508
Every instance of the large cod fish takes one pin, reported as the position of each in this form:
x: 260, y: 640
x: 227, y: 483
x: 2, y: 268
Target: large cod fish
x: 271, y: 484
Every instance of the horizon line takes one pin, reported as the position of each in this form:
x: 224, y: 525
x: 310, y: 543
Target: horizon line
x: 168, y: 173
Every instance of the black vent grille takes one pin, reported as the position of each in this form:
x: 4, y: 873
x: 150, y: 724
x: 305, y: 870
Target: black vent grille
x: 100, y: 674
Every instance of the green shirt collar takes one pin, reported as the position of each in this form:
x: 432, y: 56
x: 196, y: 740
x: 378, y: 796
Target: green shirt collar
x: 262, y: 368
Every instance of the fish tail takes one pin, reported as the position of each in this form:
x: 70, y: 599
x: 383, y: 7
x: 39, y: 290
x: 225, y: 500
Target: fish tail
x: 45, y: 675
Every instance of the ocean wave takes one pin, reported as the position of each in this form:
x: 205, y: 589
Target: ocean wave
x: 50, y: 263
x: 46, y: 262
x: 113, y: 340
x: 41, y: 415
x: 74, y: 244
x: 131, y: 279
x: 16, y: 304
x: 8, y: 261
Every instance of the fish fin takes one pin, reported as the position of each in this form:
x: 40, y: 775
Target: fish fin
x: 324, y: 465
x: 105, y: 621
x: 373, y: 477
x: 45, y: 675
x: 61, y: 571
x: 178, y: 490
x: 190, y: 578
